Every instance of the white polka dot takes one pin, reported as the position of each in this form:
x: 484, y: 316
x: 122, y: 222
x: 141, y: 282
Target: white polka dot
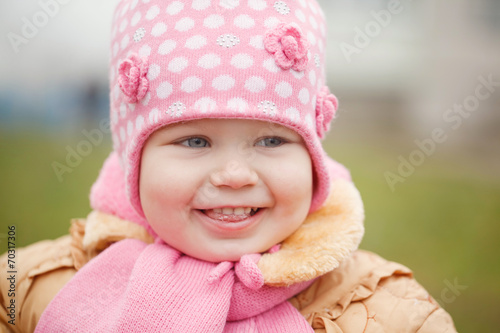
x: 131, y: 106
x: 322, y: 29
x: 125, y: 41
x: 284, y: 89
x: 153, y: 116
x: 145, y: 51
x: 293, y: 114
x: 312, y: 77
x: 177, y: 65
x: 122, y: 134
x: 115, y: 49
x: 271, y: 22
x: 146, y: 1
x: 153, y: 71
x: 146, y: 99
x: 175, y: 8
x: 123, y: 110
x: 130, y: 128
x: 134, y: 3
x: 209, y: 61
x: 257, y: 4
x: 320, y: 45
x: 242, y: 61
x: 257, y: 42
x: 298, y: 75
x: 159, y: 29
x: 308, y: 120
x: 116, y: 92
x: 116, y: 142
x: 237, y: 104
x: 304, y: 96
x: 196, y: 42
x: 255, y: 84
x: 213, y: 21
x: 191, y: 84
x: 184, y: 24
x: 164, y: 90
x: 124, y: 9
x: 313, y: 8
x: 313, y: 102
x: 123, y: 25
x: 152, y: 12
x: 229, y: 4
x: 205, y: 105
x: 300, y: 15
x: 135, y: 19
x: 139, y: 122
x: 244, y: 22
x: 313, y: 22
x: 311, y: 38
x: 166, y: 47
x: 223, y: 82
x: 302, y: 3
x: 201, y: 4
x: 270, y: 65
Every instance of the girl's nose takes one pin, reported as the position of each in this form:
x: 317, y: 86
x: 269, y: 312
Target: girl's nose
x: 235, y: 175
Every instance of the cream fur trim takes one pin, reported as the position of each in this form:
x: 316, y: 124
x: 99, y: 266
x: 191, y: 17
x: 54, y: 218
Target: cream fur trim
x: 326, y: 238
x: 102, y: 229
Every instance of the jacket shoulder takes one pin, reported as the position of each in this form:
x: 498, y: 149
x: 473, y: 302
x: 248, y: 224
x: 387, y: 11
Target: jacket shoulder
x: 367, y: 293
x: 41, y: 270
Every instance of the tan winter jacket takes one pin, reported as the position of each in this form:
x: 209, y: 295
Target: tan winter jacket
x: 356, y: 291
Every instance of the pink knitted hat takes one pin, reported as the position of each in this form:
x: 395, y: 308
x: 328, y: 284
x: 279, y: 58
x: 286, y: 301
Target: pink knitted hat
x: 175, y: 61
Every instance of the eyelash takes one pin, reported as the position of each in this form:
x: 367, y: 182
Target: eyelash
x: 282, y: 141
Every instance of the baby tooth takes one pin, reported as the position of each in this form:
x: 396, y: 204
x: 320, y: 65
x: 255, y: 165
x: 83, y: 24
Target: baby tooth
x: 218, y: 210
x: 227, y: 210
x: 239, y: 211
x: 248, y: 210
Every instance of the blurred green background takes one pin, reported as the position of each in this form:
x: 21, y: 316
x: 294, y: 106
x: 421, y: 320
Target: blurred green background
x: 443, y: 221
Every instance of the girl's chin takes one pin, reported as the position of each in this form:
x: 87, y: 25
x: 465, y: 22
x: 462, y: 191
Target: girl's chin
x: 230, y: 253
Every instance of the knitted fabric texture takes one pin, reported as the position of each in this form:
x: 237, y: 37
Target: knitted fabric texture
x: 136, y: 287
x: 175, y: 61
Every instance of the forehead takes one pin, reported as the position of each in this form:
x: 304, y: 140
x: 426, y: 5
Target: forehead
x: 250, y: 125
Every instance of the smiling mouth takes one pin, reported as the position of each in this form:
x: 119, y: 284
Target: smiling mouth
x: 230, y: 214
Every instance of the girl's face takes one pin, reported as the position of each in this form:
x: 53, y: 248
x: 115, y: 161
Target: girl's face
x: 201, y: 182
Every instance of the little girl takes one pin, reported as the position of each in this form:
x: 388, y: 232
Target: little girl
x: 218, y: 210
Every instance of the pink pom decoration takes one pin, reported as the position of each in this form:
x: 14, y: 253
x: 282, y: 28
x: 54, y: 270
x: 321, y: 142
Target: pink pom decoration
x: 132, y: 78
x: 288, y: 45
x: 326, y: 106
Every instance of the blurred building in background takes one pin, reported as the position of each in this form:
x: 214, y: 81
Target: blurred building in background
x: 397, y: 66
x: 415, y: 63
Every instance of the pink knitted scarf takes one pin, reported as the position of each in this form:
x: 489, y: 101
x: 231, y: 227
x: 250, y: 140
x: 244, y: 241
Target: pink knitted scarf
x: 136, y: 287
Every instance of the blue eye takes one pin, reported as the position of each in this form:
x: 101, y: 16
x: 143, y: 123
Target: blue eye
x: 195, y: 142
x: 271, y: 142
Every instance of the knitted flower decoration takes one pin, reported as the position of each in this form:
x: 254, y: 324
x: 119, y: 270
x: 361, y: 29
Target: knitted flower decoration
x: 132, y: 78
x: 326, y: 106
x: 288, y: 45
